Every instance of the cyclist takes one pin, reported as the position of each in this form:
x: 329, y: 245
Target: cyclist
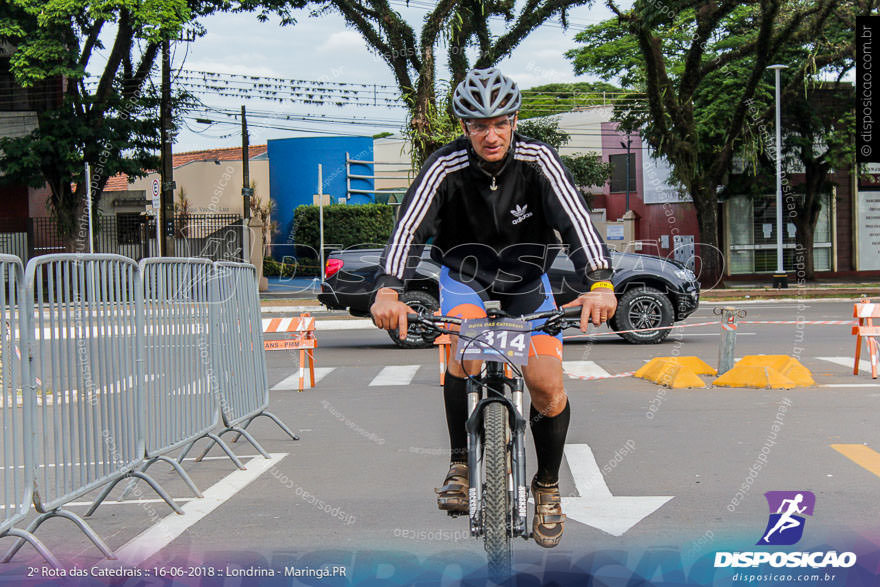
x: 493, y: 201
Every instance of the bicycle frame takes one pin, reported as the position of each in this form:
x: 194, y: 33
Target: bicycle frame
x: 495, y: 382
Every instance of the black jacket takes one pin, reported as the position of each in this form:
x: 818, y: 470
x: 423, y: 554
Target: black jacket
x: 498, y: 237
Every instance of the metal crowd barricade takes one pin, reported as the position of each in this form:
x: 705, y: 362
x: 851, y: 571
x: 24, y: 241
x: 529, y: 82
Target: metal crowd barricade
x: 86, y: 369
x: 180, y: 406
x: 238, y: 358
x: 16, y: 410
x: 181, y: 392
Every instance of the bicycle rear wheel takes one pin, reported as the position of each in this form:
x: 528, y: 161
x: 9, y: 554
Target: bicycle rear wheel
x: 496, y: 498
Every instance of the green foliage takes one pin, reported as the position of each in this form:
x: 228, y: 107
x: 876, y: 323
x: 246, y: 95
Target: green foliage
x: 552, y: 99
x: 429, y: 130
x: 545, y: 130
x: 588, y: 169
x: 344, y: 225
x: 465, y: 31
x: 110, y: 120
x: 288, y: 268
x: 699, y: 66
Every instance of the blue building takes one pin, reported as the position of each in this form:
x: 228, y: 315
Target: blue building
x: 293, y: 176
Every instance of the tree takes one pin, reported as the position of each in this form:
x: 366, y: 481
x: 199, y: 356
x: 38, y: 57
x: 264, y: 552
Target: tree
x: 588, y: 169
x: 818, y: 124
x: 110, y: 123
x: 699, y: 64
x: 456, y: 26
x: 817, y: 131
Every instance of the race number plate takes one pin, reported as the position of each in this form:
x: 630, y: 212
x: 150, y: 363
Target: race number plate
x: 495, y: 338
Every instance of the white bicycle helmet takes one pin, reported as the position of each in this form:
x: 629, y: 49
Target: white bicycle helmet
x: 485, y: 93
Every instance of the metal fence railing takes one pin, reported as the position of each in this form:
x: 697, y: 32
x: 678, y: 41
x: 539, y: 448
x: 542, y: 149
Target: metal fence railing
x: 86, y: 341
x: 217, y: 237
x: 182, y: 400
x: 108, y: 365
x: 239, y: 360
x: 16, y: 410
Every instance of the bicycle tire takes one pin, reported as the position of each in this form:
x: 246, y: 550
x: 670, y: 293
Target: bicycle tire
x: 496, y: 498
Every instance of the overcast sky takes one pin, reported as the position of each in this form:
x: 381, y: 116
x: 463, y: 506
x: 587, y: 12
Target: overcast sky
x: 317, y: 48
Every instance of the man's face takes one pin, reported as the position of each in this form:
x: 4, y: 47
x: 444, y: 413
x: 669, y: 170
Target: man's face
x: 490, y: 137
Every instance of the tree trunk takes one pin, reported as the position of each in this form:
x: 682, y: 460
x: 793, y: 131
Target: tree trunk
x: 807, y: 217
x: 710, y: 265
x: 803, y: 256
x: 426, y: 138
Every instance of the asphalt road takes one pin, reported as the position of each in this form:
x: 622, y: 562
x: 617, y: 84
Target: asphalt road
x: 356, y: 492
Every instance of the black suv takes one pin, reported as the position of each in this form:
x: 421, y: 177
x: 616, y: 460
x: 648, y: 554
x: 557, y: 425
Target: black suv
x: 651, y: 291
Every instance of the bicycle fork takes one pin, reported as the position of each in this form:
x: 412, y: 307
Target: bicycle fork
x: 518, y: 490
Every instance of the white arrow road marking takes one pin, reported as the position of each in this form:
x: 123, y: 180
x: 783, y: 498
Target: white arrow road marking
x: 583, y: 369
x: 848, y: 362
x: 292, y: 382
x: 596, y: 506
x: 159, y: 535
x: 395, y: 375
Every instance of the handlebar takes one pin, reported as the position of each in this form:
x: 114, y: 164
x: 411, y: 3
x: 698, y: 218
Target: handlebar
x: 557, y: 320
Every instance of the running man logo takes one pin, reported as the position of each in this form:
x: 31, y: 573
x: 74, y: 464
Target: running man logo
x: 787, y: 510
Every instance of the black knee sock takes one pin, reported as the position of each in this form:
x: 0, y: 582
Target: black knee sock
x: 549, y: 434
x: 455, y: 398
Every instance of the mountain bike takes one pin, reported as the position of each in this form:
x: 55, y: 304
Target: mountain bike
x: 498, y: 494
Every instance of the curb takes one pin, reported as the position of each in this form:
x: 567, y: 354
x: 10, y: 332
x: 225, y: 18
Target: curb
x: 845, y: 293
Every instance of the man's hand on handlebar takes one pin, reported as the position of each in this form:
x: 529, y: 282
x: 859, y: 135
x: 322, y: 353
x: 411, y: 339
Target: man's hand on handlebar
x: 597, y: 306
x: 390, y: 313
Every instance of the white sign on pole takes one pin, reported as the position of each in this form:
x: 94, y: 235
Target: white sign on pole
x: 868, y: 215
x: 157, y: 202
x: 156, y: 193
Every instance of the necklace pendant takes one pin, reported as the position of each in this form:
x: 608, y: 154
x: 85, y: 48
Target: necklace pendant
x: 494, y: 186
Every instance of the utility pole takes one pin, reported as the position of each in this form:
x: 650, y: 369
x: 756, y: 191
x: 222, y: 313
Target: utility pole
x: 165, y: 218
x: 246, y: 192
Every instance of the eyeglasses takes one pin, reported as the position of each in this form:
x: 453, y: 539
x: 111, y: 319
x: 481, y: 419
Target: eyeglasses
x: 481, y: 129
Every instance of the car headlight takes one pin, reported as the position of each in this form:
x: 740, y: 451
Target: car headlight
x: 685, y: 274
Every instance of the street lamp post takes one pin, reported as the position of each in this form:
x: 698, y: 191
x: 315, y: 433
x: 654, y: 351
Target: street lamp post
x: 627, y: 145
x: 780, y: 278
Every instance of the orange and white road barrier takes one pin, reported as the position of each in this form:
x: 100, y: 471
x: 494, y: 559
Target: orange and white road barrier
x: 865, y: 311
x: 302, y: 338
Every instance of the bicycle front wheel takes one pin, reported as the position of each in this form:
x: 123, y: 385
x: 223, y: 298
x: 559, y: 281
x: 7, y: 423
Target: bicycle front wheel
x: 496, y: 498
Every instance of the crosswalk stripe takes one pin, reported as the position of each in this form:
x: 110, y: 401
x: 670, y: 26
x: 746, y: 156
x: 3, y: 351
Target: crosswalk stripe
x: 861, y: 455
x: 848, y: 362
x: 395, y: 375
x: 583, y: 369
x: 292, y: 382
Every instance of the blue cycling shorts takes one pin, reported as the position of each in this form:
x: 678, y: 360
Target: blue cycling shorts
x: 466, y: 299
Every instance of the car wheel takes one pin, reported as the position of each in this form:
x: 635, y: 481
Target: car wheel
x: 419, y: 301
x: 639, y: 308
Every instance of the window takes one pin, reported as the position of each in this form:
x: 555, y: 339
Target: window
x: 752, y: 236
x: 618, y: 172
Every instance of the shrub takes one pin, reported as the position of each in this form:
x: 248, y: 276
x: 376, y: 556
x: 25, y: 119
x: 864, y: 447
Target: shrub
x: 344, y: 225
x: 302, y: 267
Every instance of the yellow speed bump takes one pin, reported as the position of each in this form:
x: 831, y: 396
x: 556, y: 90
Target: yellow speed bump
x: 695, y: 364
x: 669, y: 373
x: 754, y: 376
x: 788, y: 366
